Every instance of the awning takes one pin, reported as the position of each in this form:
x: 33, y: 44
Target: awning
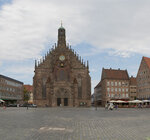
x: 145, y: 101
x: 135, y: 101
x: 112, y: 101
x: 2, y: 100
x: 120, y: 101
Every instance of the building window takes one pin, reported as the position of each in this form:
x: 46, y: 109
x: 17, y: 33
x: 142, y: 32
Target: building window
x: 112, y: 83
x: 119, y: 89
x: 44, y: 88
x: 116, y: 89
x: 108, y: 89
x: 112, y: 89
x: 115, y: 83
x: 108, y: 83
x: 79, y: 80
x: 126, y: 89
x: 62, y: 75
x: 123, y: 90
x: 119, y: 83
x: 123, y: 83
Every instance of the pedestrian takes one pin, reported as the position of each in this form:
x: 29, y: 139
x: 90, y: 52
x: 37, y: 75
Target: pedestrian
x: 106, y: 106
x: 4, y: 106
x: 116, y: 106
x: 111, y: 106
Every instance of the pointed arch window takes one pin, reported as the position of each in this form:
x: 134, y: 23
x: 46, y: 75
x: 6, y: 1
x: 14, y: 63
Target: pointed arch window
x: 79, y: 80
x: 62, y: 75
x: 44, y: 88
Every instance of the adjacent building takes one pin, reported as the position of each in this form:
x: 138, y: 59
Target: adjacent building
x: 62, y: 77
x: 29, y: 88
x: 133, y: 88
x: 143, y: 79
x: 11, y: 90
x: 114, y: 85
x: 97, y: 96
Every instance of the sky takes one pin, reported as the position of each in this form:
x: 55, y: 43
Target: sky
x: 109, y: 33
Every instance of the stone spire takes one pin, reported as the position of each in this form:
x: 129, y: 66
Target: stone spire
x: 88, y: 64
x: 61, y: 37
x: 35, y: 64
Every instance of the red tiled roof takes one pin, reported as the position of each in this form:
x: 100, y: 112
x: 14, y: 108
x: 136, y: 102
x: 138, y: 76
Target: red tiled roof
x: 132, y: 80
x: 28, y: 87
x: 115, y: 74
x: 147, y: 60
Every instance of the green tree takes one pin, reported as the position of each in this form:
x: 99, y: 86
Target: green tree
x: 26, y: 95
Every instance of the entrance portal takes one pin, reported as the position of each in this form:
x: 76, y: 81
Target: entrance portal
x: 65, y: 101
x: 58, y: 101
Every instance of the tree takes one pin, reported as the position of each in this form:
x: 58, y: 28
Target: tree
x: 26, y: 95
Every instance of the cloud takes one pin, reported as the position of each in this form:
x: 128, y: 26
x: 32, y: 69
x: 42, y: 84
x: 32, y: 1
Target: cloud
x: 93, y: 84
x: 26, y: 70
x: 26, y: 26
x: 0, y: 63
x: 22, y: 73
x: 114, y: 27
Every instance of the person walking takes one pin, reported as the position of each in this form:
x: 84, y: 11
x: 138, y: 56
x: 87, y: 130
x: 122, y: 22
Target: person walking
x: 116, y: 106
x: 106, y: 106
x: 111, y: 106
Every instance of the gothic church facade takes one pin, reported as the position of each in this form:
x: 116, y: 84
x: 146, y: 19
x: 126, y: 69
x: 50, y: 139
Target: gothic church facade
x: 61, y: 77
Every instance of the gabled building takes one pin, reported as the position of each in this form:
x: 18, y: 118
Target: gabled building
x: 133, y: 88
x: 29, y: 88
x: 143, y: 79
x: 114, y: 85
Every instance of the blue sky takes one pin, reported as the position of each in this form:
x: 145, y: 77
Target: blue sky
x: 2, y: 2
x: 108, y: 33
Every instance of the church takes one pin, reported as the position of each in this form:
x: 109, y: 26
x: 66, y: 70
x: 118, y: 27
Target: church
x: 61, y: 78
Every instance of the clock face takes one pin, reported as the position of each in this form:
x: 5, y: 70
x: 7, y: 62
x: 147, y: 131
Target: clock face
x: 62, y: 58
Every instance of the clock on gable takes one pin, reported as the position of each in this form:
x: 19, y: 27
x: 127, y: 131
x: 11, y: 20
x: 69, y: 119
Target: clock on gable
x: 61, y: 57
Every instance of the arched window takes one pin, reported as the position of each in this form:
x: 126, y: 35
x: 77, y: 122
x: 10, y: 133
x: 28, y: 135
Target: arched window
x: 63, y: 75
x: 79, y: 80
x: 44, y: 88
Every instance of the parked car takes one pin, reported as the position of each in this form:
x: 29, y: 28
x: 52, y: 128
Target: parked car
x: 28, y: 105
x: 12, y: 105
x: 32, y: 105
x: 23, y: 105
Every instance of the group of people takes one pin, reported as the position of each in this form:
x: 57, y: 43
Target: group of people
x: 110, y: 106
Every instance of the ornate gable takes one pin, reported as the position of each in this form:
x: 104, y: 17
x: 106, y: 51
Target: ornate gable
x: 61, y: 69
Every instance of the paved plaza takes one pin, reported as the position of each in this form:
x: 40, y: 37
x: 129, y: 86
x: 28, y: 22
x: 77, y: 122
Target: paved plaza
x: 74, y: 124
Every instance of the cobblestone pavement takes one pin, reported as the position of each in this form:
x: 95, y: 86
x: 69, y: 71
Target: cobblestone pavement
x: 74, y: 124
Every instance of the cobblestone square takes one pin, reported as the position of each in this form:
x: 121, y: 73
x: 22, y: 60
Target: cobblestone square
x: 74, y: 124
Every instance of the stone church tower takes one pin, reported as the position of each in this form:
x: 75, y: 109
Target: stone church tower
x: 61, y: 77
